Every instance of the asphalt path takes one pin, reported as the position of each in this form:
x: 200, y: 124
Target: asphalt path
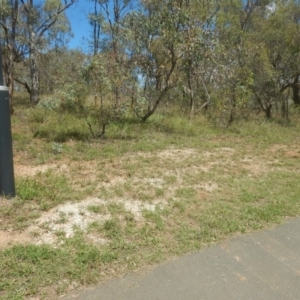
x: 260, y: 266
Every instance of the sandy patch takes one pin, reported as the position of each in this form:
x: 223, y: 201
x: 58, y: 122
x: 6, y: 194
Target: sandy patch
x: 227, y: 149
x: 288, y: 151
x: 11, y: 238
x: 67, y: 218
x: 292, y: 154
x: 150, y: 182
x: 30, y: 171
x: 177, y: 154
x: 277, y: 148
x: 209, y: 186
x: 169, y: 154
x: 254, y: 166
x: 112, y: 182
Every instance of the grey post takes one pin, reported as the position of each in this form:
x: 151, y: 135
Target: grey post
x: 7, y: 180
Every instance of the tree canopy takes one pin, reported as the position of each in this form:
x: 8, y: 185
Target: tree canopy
x: 224, y: 58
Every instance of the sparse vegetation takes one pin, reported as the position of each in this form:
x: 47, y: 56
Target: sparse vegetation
x: 178, y: 130
x: 104, y: 207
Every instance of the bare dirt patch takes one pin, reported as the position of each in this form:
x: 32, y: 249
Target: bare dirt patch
x: 287, y: 151
x: 254, y: 166
x: 8, y: 238
x: 209, y: 186
x: 169, y: 154
x: 292, y: 154
x: 177, y: 154
x: 30, y: 171
x: 66, y: 218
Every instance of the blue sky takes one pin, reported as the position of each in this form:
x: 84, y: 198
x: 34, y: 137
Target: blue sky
x: 81, y: 29
x: 78, y: 16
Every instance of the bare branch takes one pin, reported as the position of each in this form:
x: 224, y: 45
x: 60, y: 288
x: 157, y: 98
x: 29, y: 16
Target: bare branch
x: 24, y: 83
x: 52, y: 19
x: 4, y: 26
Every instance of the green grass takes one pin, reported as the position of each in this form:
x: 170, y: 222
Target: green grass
x: 36, y: 268
x: 188, y: 183
x: 97, y: 209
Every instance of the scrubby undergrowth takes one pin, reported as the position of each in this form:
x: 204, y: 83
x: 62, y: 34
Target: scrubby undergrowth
x: 88, y: 209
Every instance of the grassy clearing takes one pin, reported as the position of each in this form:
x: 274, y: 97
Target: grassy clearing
x: 144, y: 193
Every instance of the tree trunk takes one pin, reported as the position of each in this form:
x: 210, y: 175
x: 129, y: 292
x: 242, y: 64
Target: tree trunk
x: 25, y: 84
x: 295, y: 86
x: 34, y: 71
x: 296, y: 96
x: 232, y: 112
x: 11, y: 92
x: 118, y: 98
x: 191, y: 94
x: 96, y: 29
x: 284, y: 108
x: 9, y: 58
x: 156, y: 104
x: 9, y: 76
x: 266, y: 107
x: 267, y: 111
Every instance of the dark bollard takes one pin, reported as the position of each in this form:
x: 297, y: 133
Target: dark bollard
x: 7, y: 180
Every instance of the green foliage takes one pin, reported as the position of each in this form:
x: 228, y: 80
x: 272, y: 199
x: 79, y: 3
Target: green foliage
x: 47, y: 190
x: 50, y: 103
x: 30, y: 189
x: 251, y: 44
x: 155, y: 217
x: 57, y: 148
x: 112, y: 229
x: 72, y: 97
x: 37, y: 267
x: 231, y: 59
x: 169, y: 186
x: 60, y: 127
x: 36, y: 115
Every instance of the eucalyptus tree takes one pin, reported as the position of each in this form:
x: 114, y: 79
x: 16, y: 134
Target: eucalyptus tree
x: 164, y: 35
x: 286, y: 49
x: 96, y: 20
x: 33, y: 26
x: 274, y: 61
x: 249, y: 76
x: 39, y: 19
x: 60, y: 67
x: 274, y: 65
x: 108, y: 36
x: 14, y: 45
x: 199, y: 46
x: 259, y: 42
